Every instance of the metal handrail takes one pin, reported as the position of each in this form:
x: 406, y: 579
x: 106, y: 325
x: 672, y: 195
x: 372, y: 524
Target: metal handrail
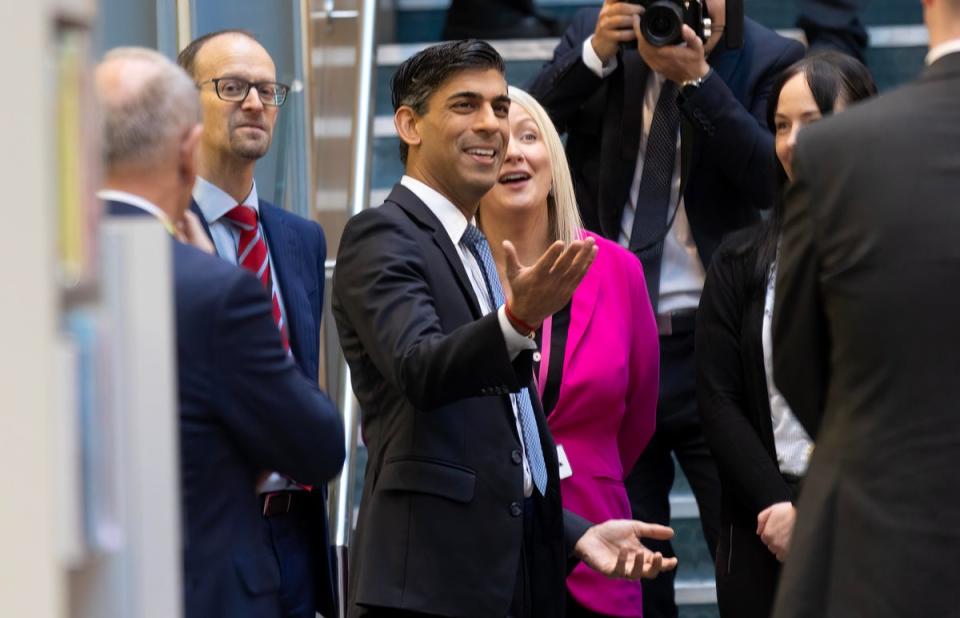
x: 342, y: 497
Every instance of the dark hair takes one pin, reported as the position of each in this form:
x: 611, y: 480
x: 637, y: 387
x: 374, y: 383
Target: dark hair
x: 831, y: 77
x: 188, y: 57
x: 425, y: 72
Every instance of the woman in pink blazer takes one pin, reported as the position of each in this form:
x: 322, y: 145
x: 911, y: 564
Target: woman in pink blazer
x: 598, y: 374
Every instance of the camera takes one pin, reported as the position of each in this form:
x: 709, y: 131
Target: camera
x: 663, y: 21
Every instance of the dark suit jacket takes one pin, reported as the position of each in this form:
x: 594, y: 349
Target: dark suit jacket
x: 298, y: 250
x: 441, y: 522
x: 727, y: 149
x: 865, y: 333
x: 244, y: 408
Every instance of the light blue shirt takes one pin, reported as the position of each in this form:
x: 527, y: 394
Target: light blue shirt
x: 214, y: 203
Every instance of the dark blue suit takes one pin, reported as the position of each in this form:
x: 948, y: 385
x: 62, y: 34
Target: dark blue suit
x: 244, y: 408
x: 727, y: 177
x: 298, y: 250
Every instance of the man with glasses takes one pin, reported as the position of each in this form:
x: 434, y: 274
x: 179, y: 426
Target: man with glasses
x: 240, y: 98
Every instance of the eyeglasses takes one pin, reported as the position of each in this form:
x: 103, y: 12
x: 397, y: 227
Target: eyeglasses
x: 235, y: 90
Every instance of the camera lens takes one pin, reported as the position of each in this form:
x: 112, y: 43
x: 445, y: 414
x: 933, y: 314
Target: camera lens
x: 662, y: 23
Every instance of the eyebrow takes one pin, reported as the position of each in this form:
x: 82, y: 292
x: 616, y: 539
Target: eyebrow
x: 468, y: 94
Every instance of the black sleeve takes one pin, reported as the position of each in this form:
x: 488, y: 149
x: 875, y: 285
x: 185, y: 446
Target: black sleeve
x: 722, y: 396
x: 382, y: 299
x: 565, y: 83
x: 735, y: 137
x: 282, y: 420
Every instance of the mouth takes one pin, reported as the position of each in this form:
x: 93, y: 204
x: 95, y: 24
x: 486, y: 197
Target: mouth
x: 484, y: 155
x: 513, y: 178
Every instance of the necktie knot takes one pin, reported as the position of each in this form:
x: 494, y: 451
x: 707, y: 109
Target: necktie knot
x: 243, y: 217
x: 474, y: 239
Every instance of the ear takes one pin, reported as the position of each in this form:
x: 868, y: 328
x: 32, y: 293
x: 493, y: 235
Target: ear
x: 188, y: 153
x: 405, y: 120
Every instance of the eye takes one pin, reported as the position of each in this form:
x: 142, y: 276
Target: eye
x: 502, y: 110
x: 463, y: 105
x: 529, y: 137
x: 231, y: 86
x: 268, y: 90
x: 782, y: 126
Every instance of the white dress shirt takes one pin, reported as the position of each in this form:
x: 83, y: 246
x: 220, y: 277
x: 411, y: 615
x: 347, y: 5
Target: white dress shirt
x: 792, y: 442
x: 112, y: 195
x: 455, y: 224
x: 681, y: 271
x: 950, y: 47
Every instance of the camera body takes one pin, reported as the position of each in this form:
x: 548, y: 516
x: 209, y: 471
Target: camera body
x: 663, y: 20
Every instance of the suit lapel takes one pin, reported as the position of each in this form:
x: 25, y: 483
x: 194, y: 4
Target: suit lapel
x: 285, y: 254
x: 581, y: 312
x: 195, y: 209
x: 413, y: 206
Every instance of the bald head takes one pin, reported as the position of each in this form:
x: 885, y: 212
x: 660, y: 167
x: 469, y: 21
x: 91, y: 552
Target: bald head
x: 148, y: 104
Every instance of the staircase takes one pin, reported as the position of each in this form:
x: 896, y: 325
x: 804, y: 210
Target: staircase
x: 898, y: 46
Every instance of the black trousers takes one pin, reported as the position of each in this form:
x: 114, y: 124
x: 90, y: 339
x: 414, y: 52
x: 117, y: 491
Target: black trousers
x: 648, y: 485
x: 833, y: 24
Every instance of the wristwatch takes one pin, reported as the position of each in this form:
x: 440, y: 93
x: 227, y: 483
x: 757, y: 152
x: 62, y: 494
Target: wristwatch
x: 687, y: 88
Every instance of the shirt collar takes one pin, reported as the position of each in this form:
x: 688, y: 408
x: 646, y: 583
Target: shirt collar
x: 451, y: 218
x: 113, y: 195
x: 214, y: 202
x: 943, y: 49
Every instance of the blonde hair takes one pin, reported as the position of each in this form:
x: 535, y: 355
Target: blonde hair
x: 562, y: 211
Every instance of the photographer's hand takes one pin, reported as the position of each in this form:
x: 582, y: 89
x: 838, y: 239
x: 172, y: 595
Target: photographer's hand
x: 678, y: 63
x: 614, y: 25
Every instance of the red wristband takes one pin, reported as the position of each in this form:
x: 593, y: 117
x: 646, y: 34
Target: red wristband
x: 517, y: 321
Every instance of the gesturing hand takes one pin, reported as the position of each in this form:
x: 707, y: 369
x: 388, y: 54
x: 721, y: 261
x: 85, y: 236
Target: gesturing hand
x: 543, y: 289
x: 614, y: 549
x: 678, y: 63
x: 775, y: 528
x: 614, y: 26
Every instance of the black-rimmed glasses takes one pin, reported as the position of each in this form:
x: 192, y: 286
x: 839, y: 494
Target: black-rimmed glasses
x: 235, y: 90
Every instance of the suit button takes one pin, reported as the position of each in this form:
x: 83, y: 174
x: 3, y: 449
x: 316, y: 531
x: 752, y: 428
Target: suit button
x: 515, y: 509
x: 516, y: 456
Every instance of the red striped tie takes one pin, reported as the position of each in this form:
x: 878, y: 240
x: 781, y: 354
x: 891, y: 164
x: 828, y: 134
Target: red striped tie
x: 252, y: 255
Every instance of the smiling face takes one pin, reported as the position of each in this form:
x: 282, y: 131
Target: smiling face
x: 525, y: 177
x: 235, y: 130
x: 796, y: 108
x: 458, y: 145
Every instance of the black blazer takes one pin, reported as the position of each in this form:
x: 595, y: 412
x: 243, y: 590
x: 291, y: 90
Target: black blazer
x: 727, y: 149
x: 441, y: 523
x: 298, y: 250
x: 732, y: 384
x: 244, y: 408
x: 865, y: 334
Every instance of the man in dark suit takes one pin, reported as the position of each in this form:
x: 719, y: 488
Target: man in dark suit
x: 241, y: 99
x: 244, y: 406
x: 461, y: 511
x: 865, y: 347
x: 625, y: 106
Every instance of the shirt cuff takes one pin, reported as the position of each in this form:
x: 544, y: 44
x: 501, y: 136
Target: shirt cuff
x: 593, y: 62
x: 516, y: 343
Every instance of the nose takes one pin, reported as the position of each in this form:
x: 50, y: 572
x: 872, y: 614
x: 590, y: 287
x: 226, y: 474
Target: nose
x: 487, y: 120
x: 252, y: 100
x: 792, y: 138
x: 514, y: 154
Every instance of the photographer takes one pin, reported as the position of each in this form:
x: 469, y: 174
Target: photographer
x: 669, y: 152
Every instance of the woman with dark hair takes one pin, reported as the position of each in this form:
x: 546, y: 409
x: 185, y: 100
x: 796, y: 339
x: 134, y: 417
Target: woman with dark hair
x: 761, y: 449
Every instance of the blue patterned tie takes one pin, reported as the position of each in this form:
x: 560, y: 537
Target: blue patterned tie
x: 477, y: 244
